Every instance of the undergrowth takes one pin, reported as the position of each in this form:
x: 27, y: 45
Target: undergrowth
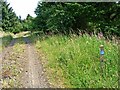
x: 5, y: 40
x: 74, y: 61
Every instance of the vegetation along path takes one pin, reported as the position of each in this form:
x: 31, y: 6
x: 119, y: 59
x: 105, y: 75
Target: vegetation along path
x: 25, y: 63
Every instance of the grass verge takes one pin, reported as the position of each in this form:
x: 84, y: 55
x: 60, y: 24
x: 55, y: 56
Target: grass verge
x: 73, y: 62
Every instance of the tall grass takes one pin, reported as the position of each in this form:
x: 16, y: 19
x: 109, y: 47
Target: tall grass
x: 4, y: 41
x: 73, y: 61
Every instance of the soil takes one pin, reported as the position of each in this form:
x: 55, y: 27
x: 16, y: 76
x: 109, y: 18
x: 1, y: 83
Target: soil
x: 32, y: 75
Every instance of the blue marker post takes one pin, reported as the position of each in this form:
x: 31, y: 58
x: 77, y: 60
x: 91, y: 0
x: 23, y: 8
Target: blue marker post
x: 102, y: 57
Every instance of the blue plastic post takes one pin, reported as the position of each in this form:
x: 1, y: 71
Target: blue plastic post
x: 102, y: 57
x: 101, y: 52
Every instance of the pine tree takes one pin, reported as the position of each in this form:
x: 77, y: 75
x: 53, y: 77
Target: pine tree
x: 10, y: 22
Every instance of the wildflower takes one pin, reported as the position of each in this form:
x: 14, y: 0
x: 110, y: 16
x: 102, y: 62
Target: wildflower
x: 100, y: 35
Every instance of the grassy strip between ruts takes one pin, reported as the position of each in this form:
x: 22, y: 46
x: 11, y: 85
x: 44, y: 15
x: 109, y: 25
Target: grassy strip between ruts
x: 11, y: 67
x: 73, y: 61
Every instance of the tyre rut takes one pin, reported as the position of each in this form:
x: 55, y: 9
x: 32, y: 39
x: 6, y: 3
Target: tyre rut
x: 34, y: 69
x: 32, y: 75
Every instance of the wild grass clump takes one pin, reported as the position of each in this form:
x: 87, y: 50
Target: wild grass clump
x: 4, y: 41
x: 73, y: 61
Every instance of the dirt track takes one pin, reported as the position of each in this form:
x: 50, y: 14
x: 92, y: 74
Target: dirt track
x: 32, y: 75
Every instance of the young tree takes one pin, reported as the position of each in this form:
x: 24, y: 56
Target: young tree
x: 10, y: 22
x: 28, y: 24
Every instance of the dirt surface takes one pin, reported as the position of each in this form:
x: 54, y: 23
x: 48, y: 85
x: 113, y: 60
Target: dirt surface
x: 32, y: 75
x: 4, y: 55
x: 34, y: 69
x: 8, y: 49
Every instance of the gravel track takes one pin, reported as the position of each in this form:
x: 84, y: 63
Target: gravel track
x: 32, y: 75
x: 5, y: 55
x: 34, y: 69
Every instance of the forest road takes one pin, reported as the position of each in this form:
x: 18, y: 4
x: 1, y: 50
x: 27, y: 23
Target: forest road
x: 32, y: 75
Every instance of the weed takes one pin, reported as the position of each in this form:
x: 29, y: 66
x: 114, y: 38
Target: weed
x: 77, y: 58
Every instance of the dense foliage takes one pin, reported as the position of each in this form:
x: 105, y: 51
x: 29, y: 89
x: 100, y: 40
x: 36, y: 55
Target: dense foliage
x: 27, y: 23
x: 74, y: 17
x: 0, y: 14
x: 10, y: 21
x: 59, y: 17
